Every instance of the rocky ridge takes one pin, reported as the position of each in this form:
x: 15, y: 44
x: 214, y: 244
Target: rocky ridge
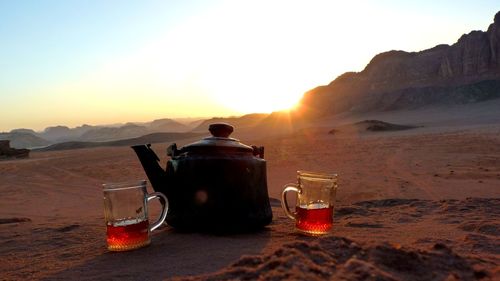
x: 467, y: 71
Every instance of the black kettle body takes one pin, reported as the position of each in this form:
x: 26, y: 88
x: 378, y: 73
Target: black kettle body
x: 216, y: 184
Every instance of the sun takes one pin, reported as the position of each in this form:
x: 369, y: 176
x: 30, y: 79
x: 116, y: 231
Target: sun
x: 253, y: 89
x: 247, y: 99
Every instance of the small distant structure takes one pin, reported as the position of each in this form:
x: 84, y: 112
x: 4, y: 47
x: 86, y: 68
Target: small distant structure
x: 8, y: 152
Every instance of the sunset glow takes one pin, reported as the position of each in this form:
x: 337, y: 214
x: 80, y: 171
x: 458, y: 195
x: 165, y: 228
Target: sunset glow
x: 117, y: 61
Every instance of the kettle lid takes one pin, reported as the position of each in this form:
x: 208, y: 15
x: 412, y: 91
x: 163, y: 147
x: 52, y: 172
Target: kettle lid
x: 219, y: 141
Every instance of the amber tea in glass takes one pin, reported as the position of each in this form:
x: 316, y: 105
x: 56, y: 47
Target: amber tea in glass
x: 126, y: 215
x: 316, y: 192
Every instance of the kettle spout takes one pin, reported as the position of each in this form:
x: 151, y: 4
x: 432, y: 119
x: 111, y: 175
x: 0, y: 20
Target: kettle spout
x: 150, y: 162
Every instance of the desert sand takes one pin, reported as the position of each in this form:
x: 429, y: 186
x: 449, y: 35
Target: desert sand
x: 419, y: 204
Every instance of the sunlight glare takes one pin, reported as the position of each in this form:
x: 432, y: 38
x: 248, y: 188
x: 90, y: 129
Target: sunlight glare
x: 234, y: 58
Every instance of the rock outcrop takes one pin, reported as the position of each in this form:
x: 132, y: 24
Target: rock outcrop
x: 467, y: 71
x: 7, y: 152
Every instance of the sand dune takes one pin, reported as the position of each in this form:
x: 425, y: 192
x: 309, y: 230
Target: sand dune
x: 412, y: 205
x: 410, y: 252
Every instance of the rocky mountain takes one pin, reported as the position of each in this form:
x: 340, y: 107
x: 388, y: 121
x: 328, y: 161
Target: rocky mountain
x: 28, y: 138
x: 56, y: 132
x: 467, y: 71
x: 25, y: 131
x: 63, y: 133
x: 248, y: 120
x: 129, y: 130
x: 167, y: 125
x: 150, y: 138
x: 132, y: 130
x: 23, y: 139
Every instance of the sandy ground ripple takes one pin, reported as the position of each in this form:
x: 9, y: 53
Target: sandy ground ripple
x: 417, y: 205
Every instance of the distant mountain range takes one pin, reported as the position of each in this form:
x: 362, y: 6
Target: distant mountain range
x: 465, y: 72
x: 150, y: 138
x: 22, y: 138
x: 245, y: 121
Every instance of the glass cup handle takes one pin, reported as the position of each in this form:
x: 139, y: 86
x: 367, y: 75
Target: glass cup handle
x: 284, y: 203
x: 164, y: 210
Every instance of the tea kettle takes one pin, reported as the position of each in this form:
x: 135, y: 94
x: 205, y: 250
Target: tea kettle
x: 216, y: 184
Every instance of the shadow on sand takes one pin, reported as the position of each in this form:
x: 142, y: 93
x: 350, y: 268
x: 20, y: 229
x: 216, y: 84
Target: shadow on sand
x: 170, y: 254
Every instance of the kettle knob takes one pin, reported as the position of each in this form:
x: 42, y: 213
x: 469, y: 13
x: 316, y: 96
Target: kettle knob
x: 220, y: 130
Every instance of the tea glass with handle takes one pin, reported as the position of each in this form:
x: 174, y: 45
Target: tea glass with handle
x: 126, y: 215
x: 315, y: 202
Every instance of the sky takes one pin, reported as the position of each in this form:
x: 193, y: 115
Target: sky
x: 69, y: 62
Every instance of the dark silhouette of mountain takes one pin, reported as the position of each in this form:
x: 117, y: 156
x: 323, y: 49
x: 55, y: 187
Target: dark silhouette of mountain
x: 465, y: 72
x: 64, y: 133
x: 24, y: 131
x: 129, y: 130
x: 132, y: 130
x: 167, y: 125
x: 24, y: 139
x: 56, y: 132
x: 21, y: 138
x: 195, y: 123
x: 242, y: 122
x: 150, y: 138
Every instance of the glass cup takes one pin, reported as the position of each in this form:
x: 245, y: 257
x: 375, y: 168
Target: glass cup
x: 126, y: 215
x: 315, y: 202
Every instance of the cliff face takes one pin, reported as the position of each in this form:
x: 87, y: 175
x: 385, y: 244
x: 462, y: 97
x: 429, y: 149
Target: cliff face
x: 466, y: 71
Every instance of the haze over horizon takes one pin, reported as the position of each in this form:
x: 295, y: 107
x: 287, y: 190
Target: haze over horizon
x: 93, y: 62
